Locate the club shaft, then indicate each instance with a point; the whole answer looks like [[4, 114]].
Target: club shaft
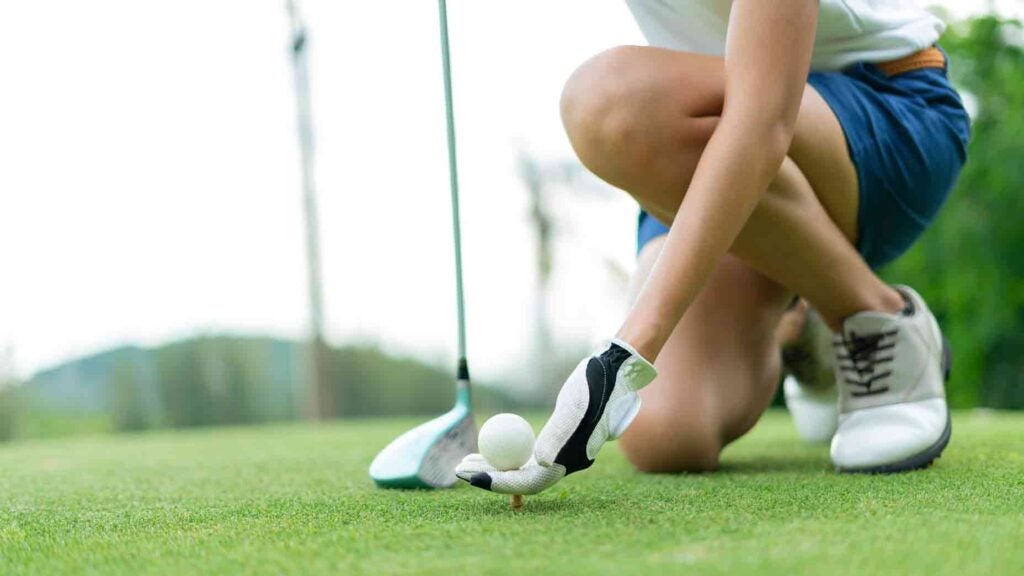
[[453, 177]]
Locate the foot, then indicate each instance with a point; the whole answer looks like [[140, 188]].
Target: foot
[[814, 410], [810, 384], [891, 370], [596, 404]]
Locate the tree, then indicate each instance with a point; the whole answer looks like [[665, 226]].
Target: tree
[[127, 408], [10, 404]]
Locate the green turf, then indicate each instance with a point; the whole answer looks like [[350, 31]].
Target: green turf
[[296, 499]]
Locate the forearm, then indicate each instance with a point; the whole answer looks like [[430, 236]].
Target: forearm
[[767, 57], [738, 163]]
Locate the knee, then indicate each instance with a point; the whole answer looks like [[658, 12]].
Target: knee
[[628, 112], [669, 446], [600, 106]]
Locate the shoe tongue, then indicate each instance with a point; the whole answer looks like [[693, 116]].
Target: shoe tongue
[[865, 323]]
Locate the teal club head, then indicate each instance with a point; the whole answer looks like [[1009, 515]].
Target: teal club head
[[426, 456]]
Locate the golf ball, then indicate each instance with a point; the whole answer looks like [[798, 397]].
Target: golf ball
[[506, 441]]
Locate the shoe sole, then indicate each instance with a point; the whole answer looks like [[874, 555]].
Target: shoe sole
[[916, 462], [927, 457]]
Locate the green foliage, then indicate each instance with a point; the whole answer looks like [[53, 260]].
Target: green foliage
[[10, 400], [184, 390], [39, 423], [969, 265], [10, 412], [369, 382], [127, 406], [229, 380], [296, 499], [221, 380]]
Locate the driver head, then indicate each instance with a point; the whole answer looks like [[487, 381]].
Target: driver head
[[426, 456]]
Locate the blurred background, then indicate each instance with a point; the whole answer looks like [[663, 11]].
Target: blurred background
[[154, 255]]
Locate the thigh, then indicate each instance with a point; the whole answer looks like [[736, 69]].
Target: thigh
[[908, 135], [667, 103], [717, 373]]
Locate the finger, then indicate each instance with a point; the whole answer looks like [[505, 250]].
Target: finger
[[528, 480], [476, 463], [473, 464]]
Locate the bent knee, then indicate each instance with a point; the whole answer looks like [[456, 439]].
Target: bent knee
[[596, 104], [672, 447], [620, 110]]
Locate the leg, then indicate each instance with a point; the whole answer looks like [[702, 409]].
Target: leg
[[717, 375], [640, 117]]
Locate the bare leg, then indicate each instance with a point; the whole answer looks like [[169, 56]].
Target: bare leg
[[716, 374], [640, 117]]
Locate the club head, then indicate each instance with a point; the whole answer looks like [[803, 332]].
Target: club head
[[426, 456]]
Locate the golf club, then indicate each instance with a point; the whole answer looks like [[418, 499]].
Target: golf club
[[425, 457]]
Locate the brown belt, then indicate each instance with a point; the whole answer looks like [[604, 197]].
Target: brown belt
[[927, 58]]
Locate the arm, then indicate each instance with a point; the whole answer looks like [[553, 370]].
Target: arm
[[768, 54], [767, 58]]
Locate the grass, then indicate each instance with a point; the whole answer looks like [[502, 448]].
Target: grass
[[296, 499]]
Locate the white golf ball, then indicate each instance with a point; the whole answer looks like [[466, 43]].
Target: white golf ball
[[506, 441]]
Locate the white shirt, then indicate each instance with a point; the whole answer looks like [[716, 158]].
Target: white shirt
[[849, 31]]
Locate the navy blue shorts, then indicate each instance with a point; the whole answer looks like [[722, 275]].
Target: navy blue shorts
[[907, 136]]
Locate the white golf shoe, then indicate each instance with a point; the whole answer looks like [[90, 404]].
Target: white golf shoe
[[814, 410], [891, 370], [809, 388]]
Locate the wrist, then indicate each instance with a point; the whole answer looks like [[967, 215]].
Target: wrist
[[643, 339]]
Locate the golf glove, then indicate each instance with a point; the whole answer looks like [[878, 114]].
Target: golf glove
[[596, 404]]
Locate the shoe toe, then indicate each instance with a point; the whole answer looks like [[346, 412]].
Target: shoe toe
[[888, 435], [814, 415]]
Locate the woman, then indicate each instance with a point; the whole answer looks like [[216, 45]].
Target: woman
[[791, 147]]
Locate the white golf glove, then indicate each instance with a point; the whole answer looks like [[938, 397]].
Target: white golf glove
[[596, 404]]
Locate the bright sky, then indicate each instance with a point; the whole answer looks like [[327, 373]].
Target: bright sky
[[150, 187]]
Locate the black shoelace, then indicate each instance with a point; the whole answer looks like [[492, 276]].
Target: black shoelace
[[864, 362]]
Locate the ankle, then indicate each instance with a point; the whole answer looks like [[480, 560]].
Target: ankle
[[889, 300], [646, 339], [885, 299]]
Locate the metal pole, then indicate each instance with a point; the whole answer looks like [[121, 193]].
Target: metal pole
[[323, 395]]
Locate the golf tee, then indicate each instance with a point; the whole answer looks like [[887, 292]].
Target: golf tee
[[516, 501]]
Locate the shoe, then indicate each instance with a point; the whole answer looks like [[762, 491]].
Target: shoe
[[809, 388], [891, 370], [815, 411]]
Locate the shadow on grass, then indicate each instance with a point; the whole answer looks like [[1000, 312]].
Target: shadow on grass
[[769, 464], [540, 505]]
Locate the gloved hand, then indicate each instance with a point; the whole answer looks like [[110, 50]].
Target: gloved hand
[[596, 404]]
